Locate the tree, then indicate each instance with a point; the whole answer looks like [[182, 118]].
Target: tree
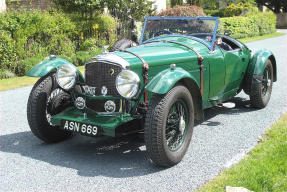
[[198, 3], [274, 5], [176, 2], [136, 9], [124, 9], [84, 7]]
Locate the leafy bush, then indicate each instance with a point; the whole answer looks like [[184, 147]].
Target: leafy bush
[[266, 21], [29, 36], [81, 57], [214, 13], [239, 9], [252, 24], [33, 33], [233, 10], [183, 11], [101, 28]]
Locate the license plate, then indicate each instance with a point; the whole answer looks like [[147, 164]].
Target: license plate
[[81, 128]]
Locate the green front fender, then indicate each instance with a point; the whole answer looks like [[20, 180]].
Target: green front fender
[[48, 66], [166, 79], [258, 63]]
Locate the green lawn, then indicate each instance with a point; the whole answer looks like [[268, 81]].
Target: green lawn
[[264, 168], [256, 38], [12, 83]]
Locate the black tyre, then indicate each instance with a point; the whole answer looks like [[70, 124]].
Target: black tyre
[[168, 126], [260, 92], [47, 99], [123, 44]]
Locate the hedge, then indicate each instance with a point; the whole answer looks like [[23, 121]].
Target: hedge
[[27, 37], [252, 24]]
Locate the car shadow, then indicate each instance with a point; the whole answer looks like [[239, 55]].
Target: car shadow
[[242, 105], [102, 156], [117, 158]]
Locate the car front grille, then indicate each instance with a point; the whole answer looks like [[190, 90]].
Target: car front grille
[[99, 74]]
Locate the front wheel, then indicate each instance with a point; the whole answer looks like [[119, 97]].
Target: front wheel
[[45, 100], [168, 126]]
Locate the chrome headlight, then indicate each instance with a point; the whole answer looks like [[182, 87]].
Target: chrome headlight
[[66, 76], [127, 83]]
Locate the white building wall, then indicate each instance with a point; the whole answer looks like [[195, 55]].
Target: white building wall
[[2, 6], [159, 5]]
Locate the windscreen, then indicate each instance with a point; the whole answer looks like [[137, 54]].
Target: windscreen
[[203, 28]]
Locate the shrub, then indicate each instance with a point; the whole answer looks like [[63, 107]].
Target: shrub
[[252, 24], [183, 11], [27, 37], [239, 9], [214, 13], [101, 28], [81, 57], [266, 21], [107, 29], [233, 10], [33, 34]]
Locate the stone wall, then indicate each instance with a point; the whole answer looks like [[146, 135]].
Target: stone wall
[[29, 4], [282, 20]]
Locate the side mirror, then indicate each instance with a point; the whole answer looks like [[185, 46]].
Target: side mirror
[[227, 32]]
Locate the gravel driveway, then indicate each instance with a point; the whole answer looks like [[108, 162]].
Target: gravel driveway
[[88, 164]]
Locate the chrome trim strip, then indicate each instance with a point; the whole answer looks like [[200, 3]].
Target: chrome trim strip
[[110, 57]]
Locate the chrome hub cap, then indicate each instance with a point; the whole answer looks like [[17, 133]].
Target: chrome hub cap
[[181, 125]]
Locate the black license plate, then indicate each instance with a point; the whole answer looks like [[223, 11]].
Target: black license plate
[[81, 128]]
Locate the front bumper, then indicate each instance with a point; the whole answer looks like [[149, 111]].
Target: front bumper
[[107, 123]]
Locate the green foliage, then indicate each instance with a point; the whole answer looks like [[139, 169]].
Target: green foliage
[[252, 24], [233, 10], [84, 7], [239, 9], [33, 33], [81, 57], [211, 4], [214, 13], [183, 11], [127, 9], [174, 3], [274, 5], [29, 36], [198, 3]]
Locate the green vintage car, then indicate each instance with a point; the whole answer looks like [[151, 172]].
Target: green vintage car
[[161, 86]]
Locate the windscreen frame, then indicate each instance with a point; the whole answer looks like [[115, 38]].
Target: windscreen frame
[[211, 46]]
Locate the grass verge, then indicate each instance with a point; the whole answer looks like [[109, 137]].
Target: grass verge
[[264, 168], [256, 38], [12, 83], [16, 82]]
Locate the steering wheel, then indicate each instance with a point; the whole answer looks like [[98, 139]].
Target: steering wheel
[[162, 32]]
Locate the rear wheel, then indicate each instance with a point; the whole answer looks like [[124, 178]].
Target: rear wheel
[[169, 126], [47, 99], [261, 91]]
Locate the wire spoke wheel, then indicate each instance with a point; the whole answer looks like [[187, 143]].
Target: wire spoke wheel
[[260, 92], [176, 124], [169, 126], [266, 81]]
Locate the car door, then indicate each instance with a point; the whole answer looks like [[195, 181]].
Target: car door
[[216, 74], [234, 62]]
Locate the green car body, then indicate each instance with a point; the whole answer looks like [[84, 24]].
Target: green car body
[[172, 60], [224, 74]]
